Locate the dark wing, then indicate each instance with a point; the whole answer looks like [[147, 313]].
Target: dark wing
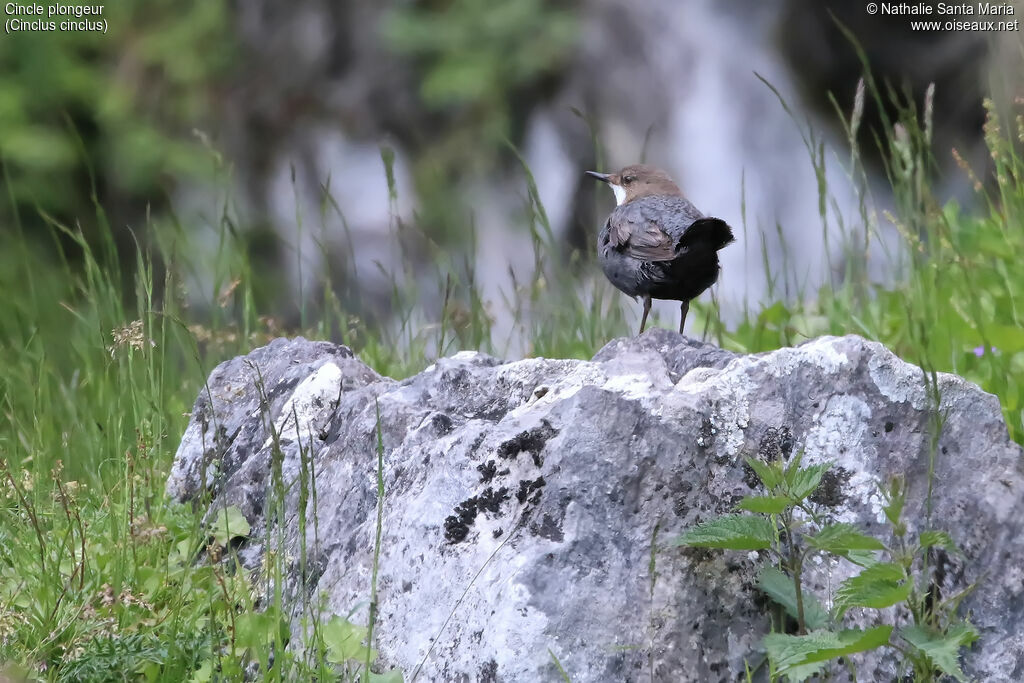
[[673, 214], [687, 226], [630, 233]]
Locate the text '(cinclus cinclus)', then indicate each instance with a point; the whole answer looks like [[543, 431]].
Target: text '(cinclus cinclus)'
[[656, 244]]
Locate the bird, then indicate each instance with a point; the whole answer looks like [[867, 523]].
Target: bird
[[656, 244]]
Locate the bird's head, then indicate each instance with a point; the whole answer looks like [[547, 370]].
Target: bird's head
[[638, 181]]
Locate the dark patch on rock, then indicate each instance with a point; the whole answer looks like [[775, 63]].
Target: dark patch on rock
[[442, 424], [681, 490], [947, 576], [548, 528], [489, 672], [680, 506], [476, 442], [456, 526], [455, 380], [831, 492], [491, 500], [889, 426], [528, 487], [487, 471], [761, 601], [493, 411], [406, 586], [706, 437], [750, 477], [531, 441], [697, 555], [314, 568], [776, 444], [498, 532]]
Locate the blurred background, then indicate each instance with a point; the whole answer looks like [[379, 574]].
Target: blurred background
[[346, 150], [407, 178]]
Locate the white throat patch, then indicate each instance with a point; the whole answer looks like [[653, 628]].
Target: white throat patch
[[620, 194]]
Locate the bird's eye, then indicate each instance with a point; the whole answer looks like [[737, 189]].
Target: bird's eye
[[628, 179]]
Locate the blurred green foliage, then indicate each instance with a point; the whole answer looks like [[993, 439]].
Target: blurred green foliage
[[113, 114], [481, 66], [477, 52]]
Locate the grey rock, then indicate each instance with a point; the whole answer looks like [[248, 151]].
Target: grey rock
[[523, 499]]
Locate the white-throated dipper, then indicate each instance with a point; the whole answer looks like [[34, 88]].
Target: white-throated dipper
[[656, 244]]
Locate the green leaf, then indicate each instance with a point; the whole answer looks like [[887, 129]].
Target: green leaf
[[779, 587], [230, 523], [943, 651], [880, 585], [862, 558], [803, 672], [344, 641], [895, 497], [929, 539], [770, 474], [735, 532], [1006, 338], [792, 468], [773, 314], [204, 673], [840, 538], [390, 676], [766, 505], [253, 629], [790, 654], [805, 480], [881, 571]]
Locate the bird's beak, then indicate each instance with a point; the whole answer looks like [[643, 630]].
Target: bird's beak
[[603, 177]]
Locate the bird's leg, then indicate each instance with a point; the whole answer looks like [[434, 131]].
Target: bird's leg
[[647, 309], [685, 308]]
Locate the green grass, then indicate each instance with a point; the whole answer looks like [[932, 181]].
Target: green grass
[[954, 304], [98, 572]]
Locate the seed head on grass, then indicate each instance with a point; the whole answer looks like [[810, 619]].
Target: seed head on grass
[[131, 335], [965, 167], [224, 298]]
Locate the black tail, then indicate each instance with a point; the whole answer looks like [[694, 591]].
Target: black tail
[[711, 231]]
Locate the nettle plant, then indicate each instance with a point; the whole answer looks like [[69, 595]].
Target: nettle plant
[[793, 530]]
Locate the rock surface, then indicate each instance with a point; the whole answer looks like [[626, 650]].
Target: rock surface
[[523, 499]]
